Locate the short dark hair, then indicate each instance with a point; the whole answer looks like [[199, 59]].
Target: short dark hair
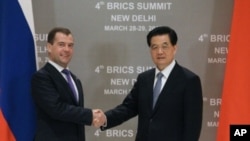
[[52, 33], [161, 30]]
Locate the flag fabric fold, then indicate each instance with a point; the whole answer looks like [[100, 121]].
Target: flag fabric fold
[[17, 63], [235, 107]]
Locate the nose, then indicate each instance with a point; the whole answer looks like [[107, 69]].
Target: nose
[[67, 48], [160, 50]]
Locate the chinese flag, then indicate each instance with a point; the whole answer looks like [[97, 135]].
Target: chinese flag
[[235, 107]]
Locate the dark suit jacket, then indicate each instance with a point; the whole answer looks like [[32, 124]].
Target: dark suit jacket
[[59, 116], [177, 115]]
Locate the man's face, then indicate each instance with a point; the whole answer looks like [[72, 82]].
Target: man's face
[[162, 51], [61, 50]]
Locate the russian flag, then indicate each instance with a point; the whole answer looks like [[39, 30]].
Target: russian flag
[[235, 107], [17, 63]]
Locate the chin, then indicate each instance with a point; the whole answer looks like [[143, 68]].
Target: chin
[[161, 66]]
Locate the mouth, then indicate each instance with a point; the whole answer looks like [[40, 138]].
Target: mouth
[[160, 58], [65, 55]]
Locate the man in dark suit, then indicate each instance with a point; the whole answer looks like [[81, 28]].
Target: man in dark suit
[[176, 115], [58, 94]]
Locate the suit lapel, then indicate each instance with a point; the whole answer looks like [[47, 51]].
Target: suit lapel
[[149, 86], [169, 85], [79, 89], [59, 80]]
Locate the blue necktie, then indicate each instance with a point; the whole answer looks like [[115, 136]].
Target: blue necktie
[[70, 82], [157, 88]]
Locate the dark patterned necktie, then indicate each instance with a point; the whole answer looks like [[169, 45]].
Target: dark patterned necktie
[[70, 82]]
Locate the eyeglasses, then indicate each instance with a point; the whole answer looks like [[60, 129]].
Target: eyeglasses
[[163, 47]]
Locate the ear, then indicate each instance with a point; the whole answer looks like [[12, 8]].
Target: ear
[[49, 47], [175, 49]]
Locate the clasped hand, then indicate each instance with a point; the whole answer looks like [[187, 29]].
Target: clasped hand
[[99, 118]]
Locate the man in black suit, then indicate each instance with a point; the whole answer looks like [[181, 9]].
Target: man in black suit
[[176, 115], [58, 94]]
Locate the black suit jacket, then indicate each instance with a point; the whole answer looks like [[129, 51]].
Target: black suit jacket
[[177, 115], [59, 116]]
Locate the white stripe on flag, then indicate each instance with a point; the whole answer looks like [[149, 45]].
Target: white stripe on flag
[[27, 9]]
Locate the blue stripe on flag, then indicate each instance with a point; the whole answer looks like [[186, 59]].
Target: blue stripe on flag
[[17, 63]]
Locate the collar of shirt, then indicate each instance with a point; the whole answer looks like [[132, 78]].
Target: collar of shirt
[[166, 72], [58, 67]]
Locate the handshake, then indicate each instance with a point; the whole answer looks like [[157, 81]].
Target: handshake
[[99, 118]]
